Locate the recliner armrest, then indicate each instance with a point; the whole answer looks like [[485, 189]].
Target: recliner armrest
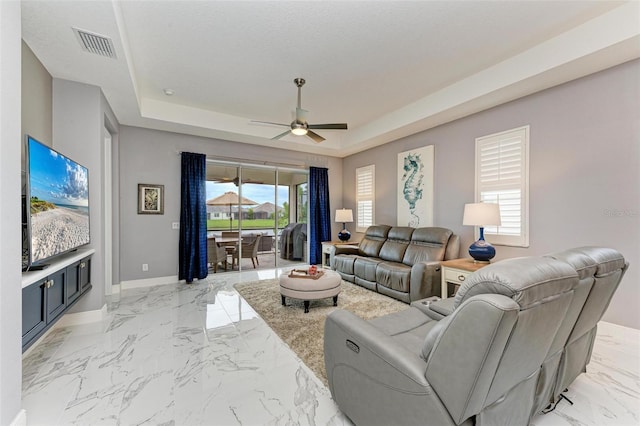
[[374, 379], [351, 341], [435, 309]]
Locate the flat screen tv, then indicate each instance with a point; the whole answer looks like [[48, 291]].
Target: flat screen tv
[[57, 203]]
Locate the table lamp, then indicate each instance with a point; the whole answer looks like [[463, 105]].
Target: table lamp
[[481, 214], [344, 216]]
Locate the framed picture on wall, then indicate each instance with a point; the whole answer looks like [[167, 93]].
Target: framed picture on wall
[[150, 199], [415, 187]]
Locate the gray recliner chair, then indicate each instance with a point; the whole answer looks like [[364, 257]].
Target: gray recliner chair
[[494, 359], [600, 271]]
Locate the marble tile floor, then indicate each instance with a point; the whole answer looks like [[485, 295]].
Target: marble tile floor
[[199, 355]]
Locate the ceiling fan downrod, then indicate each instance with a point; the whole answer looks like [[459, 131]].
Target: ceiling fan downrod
[[299, 82]]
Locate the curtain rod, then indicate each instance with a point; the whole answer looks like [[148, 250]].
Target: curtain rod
[[251, 162]]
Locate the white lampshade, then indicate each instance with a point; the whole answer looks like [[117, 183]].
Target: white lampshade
[[481, 214], [344, 215]]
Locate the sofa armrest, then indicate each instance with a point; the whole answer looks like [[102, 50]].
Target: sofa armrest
[[354, 346], [345, 250], [425, 280], [340, 250]]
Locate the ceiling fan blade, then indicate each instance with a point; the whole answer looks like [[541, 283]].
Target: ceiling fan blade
[[269, 122], [332, 126], [316, 137], [281, 135]]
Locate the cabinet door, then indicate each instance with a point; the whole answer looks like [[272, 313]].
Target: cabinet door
[[73, 282], [34, 317], [56, 294], [85, 274]]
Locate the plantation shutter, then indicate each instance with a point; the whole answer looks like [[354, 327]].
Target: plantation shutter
[[365, 195], [502, 178]]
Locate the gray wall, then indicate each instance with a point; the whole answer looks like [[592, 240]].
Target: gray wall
[[584, 171], [36, 97], [151, 156], [112, 127], [79, 112], [10, 241]]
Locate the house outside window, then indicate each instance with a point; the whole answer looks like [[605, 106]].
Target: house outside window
[[502, 177], [365, 197]]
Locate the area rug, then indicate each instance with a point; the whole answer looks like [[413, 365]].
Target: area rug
[[304, 333]]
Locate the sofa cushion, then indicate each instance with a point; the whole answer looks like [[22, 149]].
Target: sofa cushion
[[397, 241], [373, 239], [427, 244], [545, 278], [365, 267], [395, 276]]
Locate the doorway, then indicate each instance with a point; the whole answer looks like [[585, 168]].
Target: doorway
[[258, 213]]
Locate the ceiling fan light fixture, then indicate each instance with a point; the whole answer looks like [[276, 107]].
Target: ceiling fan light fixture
[[299, 128]]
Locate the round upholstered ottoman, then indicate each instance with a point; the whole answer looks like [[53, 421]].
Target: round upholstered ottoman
[[307, 288]]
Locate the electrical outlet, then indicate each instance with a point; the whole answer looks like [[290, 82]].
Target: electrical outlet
[[175, 225], [145, 267]]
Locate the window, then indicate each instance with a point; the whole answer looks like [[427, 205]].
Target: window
[[301, 202], [502, 176], [365, 194]]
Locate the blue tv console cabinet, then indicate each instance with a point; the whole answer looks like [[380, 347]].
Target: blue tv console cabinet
[[48, 293]]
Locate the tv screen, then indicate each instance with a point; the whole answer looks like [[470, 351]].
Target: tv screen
[[58, 194]]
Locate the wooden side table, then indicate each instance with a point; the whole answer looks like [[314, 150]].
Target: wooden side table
[[326, 250], [456, 272]]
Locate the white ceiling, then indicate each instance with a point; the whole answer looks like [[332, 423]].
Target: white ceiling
[[388, 69]]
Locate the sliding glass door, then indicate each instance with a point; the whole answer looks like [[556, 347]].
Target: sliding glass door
[[258, 213]]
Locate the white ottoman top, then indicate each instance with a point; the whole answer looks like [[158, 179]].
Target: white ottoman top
[[327, 285]]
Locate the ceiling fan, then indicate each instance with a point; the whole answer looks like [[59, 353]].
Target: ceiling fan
[[299, 126], [235, 180]]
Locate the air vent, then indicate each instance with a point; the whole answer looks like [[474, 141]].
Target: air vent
[[95, 43]]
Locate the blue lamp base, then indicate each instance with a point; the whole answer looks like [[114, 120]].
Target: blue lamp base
[[481, 251], [344, 235]]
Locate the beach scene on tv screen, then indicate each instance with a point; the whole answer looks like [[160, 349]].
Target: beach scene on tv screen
[[59, 203]]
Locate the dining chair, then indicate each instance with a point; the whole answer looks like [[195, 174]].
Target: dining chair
[[216, 255], [249, 251], [230, 248]]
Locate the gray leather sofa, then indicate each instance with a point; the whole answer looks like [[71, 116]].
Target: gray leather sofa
[[518, 333], [401, 262]]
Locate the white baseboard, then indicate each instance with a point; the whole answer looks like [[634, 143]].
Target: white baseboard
[[20, 419], [115, 289], [620, 329], [148, 282], [82, 317]]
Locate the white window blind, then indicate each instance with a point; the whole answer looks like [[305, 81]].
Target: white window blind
[[365, 196], [502, 176]]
